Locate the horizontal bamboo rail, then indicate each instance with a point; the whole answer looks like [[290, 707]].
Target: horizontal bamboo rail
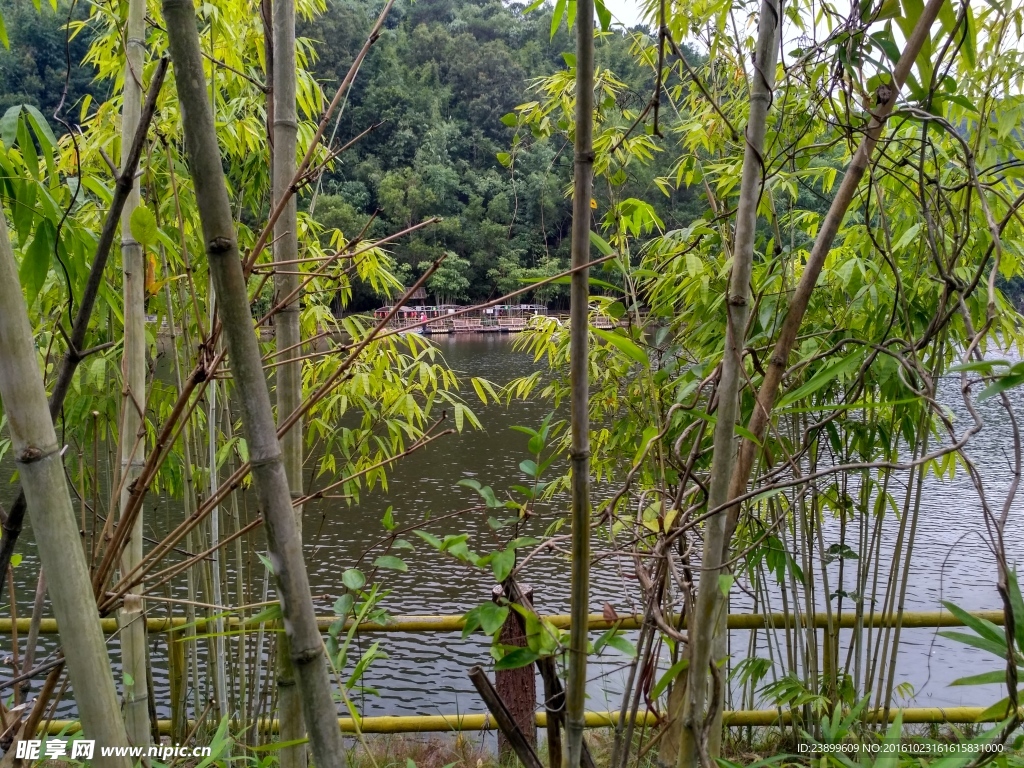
[[439, 723], [426, 624]]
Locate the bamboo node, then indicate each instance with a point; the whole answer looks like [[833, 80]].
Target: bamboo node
[[308, 655], [32, 454], [220, 245], [264, 461]]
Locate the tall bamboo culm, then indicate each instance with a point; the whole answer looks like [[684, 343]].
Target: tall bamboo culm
[[133, 403], [40, 466], [698, 738], [286, 330], [579, 299], [268, 471]]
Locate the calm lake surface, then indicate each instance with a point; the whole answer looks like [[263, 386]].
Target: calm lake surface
[[426, 674]]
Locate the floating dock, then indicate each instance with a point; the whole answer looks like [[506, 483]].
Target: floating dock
[[434, 320]]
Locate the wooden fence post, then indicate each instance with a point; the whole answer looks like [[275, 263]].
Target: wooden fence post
[[517, 688]]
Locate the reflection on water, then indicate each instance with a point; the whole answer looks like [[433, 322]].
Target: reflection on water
[[426, 674]]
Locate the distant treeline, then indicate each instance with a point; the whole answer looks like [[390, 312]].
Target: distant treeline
[[438, 82]]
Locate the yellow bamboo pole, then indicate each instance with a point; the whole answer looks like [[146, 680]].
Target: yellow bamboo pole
[[442, 723], [428, 624]]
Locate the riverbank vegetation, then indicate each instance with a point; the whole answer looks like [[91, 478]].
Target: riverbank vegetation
[[782, 233]]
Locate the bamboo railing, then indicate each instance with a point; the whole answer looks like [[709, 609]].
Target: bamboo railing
[[477, 722]]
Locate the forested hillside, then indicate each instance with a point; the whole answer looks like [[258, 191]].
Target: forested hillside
[[437, 86], [433, 91]]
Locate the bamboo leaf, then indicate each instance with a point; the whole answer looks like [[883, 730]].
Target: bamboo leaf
[[601, 244], [822, 378], [556, 16], [143, 226], [270, 613], [9, 125], [999, 649], [35, 264], [41, 128], [1017, 607], [725, 582], [983, 627], [890, 758], [670, 674], [1000, 386], [624, 344], [985, 678], [984, 366]]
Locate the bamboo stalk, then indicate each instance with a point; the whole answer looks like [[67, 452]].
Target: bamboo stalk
[[134, 646], [33, 627], [38, 458], [595, 622], [481, 722], [219, 660], [271, 483], [579, 341], [288, 377], [708, 625]]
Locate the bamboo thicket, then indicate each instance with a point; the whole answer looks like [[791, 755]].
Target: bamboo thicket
[[40, 464], [271, 483]]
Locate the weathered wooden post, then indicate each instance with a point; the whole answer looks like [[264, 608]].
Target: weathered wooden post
[[517, 688]]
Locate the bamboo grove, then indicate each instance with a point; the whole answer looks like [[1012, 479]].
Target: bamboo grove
[[742, 410]]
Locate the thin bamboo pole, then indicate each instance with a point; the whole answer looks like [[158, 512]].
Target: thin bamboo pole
[[478, 722], [219, 660], [271, 483], [134, 646], [288, 377], [188, 493], [595, 622], [700, 731], [579, 341], [38, 457]]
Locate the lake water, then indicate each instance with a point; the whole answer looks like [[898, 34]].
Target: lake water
[[426, 674]]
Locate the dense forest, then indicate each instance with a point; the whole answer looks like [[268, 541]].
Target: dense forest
[[433, 94]]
